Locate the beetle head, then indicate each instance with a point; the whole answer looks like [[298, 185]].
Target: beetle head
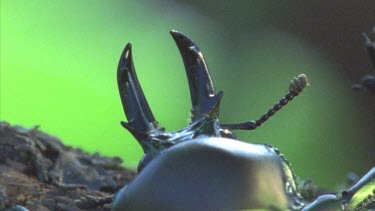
[[205, 103], [141, 122]]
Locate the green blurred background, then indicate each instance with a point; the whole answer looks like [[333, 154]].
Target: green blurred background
[[59, 59]]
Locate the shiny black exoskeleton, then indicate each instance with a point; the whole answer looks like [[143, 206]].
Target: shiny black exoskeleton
[[204, 166]]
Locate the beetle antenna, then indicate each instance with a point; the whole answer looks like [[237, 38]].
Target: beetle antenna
[[296, 86], [204, 100], [137, 111]]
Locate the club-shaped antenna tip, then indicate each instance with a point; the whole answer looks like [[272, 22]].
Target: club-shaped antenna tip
[[304, 80]]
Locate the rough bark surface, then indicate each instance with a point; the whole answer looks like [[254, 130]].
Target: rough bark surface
[[39, 172]]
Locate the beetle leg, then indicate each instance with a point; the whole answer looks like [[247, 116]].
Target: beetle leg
[[203, 97], [360, 197], [141, 121], [367, 83], [296, 86], [370, 47], [362, 194]]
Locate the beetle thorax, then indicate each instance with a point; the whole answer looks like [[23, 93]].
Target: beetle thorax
[[227, 174]]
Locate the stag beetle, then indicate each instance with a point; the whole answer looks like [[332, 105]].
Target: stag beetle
[[204, 166]]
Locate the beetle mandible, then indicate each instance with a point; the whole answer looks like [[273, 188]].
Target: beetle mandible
[[204, 166]]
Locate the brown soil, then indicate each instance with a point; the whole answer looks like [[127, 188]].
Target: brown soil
[[38, 172]]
